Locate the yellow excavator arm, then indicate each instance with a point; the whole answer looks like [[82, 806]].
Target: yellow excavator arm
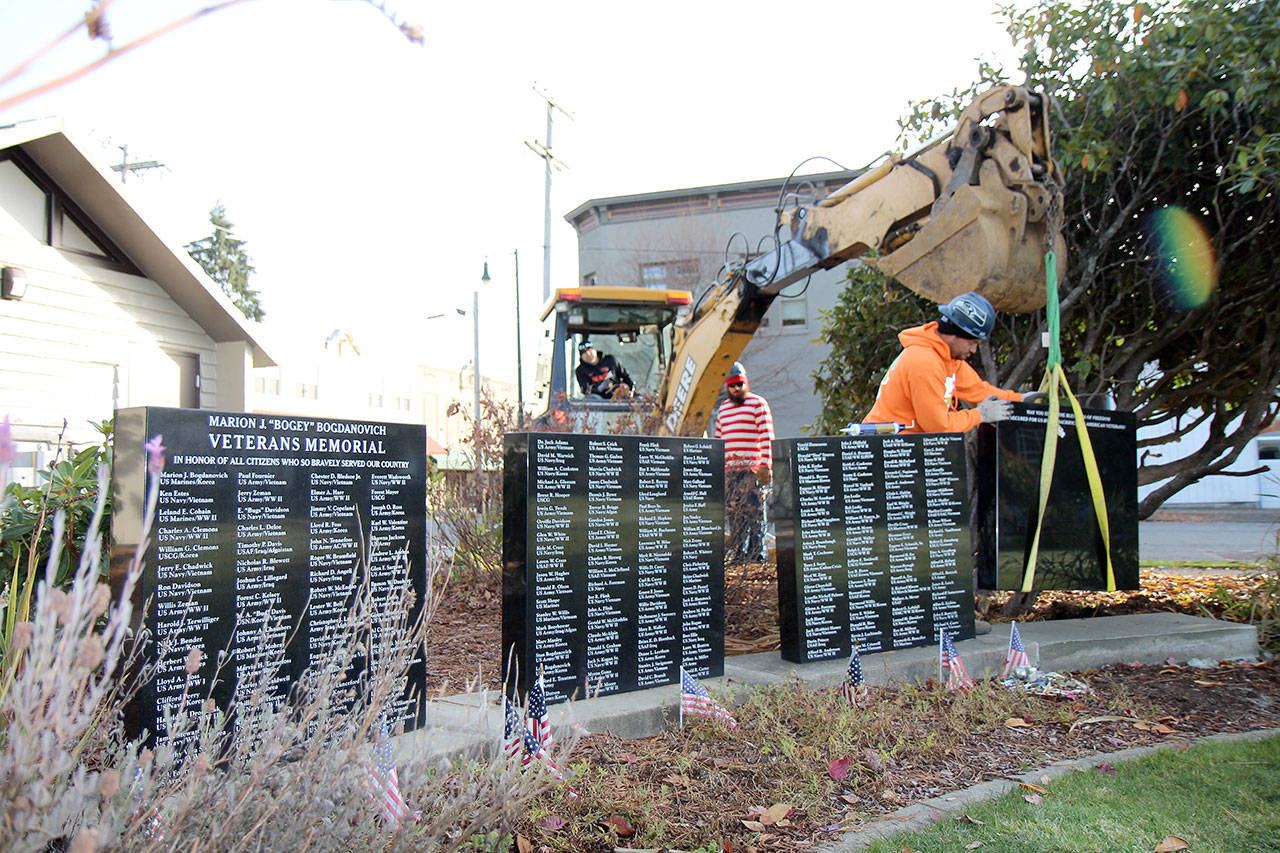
[[975, 210]]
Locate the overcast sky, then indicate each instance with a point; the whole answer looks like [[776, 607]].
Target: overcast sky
[[371, 177]]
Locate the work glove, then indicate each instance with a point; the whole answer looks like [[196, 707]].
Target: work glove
[[993, 410], [1035, 397], [764, 474]]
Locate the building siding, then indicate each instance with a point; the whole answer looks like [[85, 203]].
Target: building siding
[[85, 337]]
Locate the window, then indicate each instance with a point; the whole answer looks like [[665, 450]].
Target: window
[[33, 206], [589, 280], [375, 400], [1268, 451], [795, 312], [659, 274], [308, 391], [403, 403], [260, 384]]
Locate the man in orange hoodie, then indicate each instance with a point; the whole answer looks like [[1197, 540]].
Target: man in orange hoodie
[[924, 385]]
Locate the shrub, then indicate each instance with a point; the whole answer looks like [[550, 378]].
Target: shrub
[[68, 486]]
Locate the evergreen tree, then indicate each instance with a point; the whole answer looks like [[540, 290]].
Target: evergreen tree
[[225, 260]]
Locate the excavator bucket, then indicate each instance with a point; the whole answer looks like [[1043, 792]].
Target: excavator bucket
[[978, 239]]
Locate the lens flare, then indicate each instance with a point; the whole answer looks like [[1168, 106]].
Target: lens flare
[[1186, 267]]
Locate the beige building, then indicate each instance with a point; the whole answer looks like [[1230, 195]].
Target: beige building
[[99, 310]]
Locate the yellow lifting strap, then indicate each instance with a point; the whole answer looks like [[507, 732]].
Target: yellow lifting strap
[[1055, 378]]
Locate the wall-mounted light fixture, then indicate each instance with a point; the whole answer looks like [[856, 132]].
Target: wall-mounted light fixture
[[13, 283]]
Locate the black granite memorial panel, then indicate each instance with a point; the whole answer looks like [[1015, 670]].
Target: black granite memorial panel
[[256, 515], [1071, 551], [613, 553], [873, 542]]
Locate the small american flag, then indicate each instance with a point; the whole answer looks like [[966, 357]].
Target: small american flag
[[957, 678], [384, 785], [533, 751], [537, 719], [512, 731], [694, 699], [854, 687], [1017, 655]]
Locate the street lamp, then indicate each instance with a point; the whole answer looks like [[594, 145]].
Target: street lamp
[[475, 317]]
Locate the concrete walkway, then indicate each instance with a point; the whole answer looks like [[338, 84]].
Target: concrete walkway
[[471, 724]]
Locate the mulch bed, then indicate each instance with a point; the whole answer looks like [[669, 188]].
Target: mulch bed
[[730, 795], [465, 634]]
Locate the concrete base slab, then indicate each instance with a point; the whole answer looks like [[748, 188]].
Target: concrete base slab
[[471, 724]]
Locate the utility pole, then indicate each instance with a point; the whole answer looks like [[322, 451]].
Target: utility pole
[[544, 151], [519, 364], [126, 167]]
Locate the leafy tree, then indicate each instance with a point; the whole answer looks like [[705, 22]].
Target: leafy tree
[[1156, 105], [224, 258]]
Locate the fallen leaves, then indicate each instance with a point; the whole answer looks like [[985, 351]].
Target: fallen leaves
[[1036, 796], [1170, 844], [553, 823], [1088, 721], [839, 768], [776, 813], [1016, 723], [620, 825]]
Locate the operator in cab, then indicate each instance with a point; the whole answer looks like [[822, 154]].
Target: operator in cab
[[923, 387], [600, 375]]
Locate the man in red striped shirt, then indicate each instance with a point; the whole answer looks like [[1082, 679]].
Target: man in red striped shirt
[[746, 425]]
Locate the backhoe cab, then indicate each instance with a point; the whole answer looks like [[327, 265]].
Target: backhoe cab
[[633, 324]]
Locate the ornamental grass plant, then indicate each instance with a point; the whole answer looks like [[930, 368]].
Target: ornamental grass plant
[[266, 773]]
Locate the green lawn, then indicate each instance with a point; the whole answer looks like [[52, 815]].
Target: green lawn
[[1218, 797]]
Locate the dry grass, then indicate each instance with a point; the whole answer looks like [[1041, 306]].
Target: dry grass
[[709, 788]]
